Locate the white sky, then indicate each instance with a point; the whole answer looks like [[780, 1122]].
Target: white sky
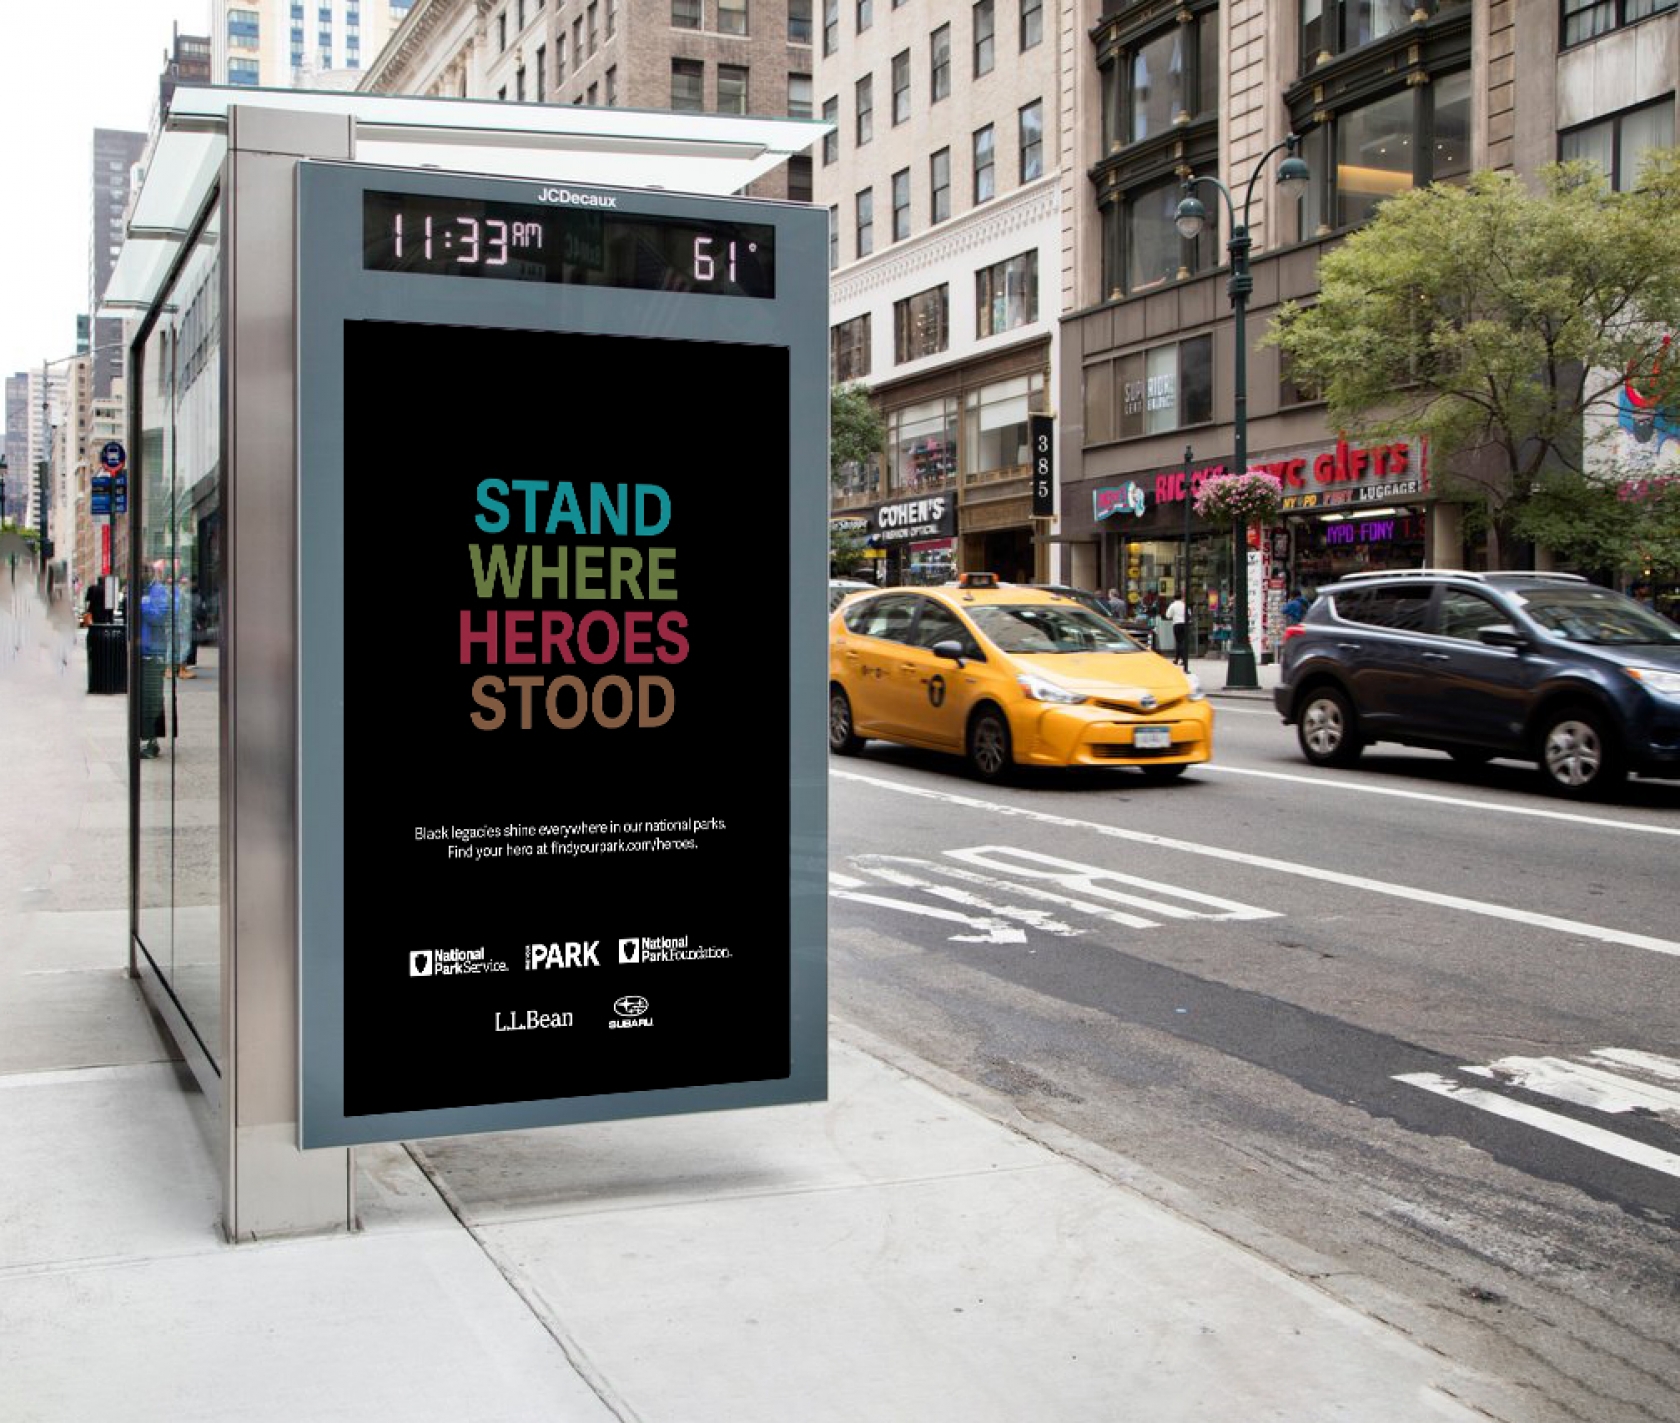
[[65, 70]]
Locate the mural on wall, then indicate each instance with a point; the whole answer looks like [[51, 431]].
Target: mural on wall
[[1646, 436]]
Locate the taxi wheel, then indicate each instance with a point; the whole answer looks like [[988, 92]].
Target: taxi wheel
[[842, 740], [989, 749]]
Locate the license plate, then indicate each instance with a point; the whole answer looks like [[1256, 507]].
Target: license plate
[[1152, 738]]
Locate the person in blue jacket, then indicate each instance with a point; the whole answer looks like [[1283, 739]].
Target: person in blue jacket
[[157, 629]]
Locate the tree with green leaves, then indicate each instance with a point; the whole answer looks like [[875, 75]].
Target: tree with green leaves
[[1493, 319], [856, 430], [1606, 528]]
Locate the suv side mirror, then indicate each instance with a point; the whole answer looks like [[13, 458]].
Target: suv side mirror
[[1501, 635], [952, 651]]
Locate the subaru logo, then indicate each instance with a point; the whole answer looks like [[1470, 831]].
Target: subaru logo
[[632, 1005]]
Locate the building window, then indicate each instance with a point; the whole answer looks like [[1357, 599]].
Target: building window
[[799, 21], [865, 109], [590, 97], [799, 96], [612, 18], [922, 443], [559, 57], [939, 54], [1006, 295], [901, 86], [1032, 23], [1332, 27], [521, 13], [865, 14], [1141, 244], [995, 427], [848, 350], [592, 35], [1400, 141], [542, 73], [243, 28], [1587, 19], [519, 84], [921, 324], [501, 95], [901, 204], [939, 186], [1032, 141], [612, 87], [688, 86], [1619, 143], [831, 26], [831, 139], [242, 71], [579, 53], [1150, 392], [799, 178], [685, 14], [864, 229], [731, 89], [732, 17], [1157, 83], [985, 164], [984, 46], [501, 31], [834, 237]]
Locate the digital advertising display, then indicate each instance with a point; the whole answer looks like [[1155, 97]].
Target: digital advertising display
[[562, 807]]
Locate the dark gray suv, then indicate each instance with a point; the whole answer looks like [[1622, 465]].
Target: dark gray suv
[[1543, 667]]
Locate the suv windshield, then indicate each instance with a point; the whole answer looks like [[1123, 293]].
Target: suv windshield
[[1047, 627], [1597, 615]]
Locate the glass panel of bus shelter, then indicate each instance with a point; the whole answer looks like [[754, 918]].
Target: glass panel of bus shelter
[[195, 698], [178, 596], [149, 626]]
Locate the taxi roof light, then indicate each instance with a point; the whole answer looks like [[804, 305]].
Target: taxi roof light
[[977, 579]]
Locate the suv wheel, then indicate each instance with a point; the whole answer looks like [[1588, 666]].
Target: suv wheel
[[1326, 728], [1578, 754]]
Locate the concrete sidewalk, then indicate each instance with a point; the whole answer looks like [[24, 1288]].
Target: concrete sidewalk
[[905, 1251]]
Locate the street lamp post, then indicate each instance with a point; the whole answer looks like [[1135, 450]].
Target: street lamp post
[[1292, 177], [1189, 625]]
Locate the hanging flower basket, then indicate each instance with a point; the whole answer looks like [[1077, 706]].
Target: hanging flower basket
[[1251, 498]]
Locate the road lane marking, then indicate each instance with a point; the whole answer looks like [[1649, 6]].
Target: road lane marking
[[1097, 880], [1581, 1133], [986, 931], [1647, 1062], [1582, 1084], [1535, 812], [890, 868], [1113, 916], [1315, 873]]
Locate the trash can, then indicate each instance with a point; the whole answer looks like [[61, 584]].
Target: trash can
[[107, 654]]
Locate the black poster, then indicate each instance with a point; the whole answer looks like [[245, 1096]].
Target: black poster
[[566, 742]]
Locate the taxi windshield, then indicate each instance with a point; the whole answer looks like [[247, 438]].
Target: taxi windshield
[[1598, 615], [1048, 627]]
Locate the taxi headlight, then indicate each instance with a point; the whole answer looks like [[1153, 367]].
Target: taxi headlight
[[1657, 679], [1040, 690], [1196, 692]]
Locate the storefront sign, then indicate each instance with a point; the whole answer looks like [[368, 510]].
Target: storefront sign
[[1128, 498], [1041, 436], [933, 516], [1373, 531], [1169, 486]]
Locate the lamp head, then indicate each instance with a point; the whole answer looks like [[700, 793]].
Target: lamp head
[[1293, 175], [1191, 216]]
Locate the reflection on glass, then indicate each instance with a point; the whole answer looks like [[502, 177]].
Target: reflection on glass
[[1159, 90], [1154, 250], [177, 606], [1450, 161], [924, 445], [1374, 156]]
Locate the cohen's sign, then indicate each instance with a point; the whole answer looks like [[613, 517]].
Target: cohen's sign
[[911, 520]]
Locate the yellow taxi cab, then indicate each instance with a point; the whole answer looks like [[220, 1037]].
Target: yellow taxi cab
[[1007, 676]]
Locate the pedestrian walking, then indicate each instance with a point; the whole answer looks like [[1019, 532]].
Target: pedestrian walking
[[1295, 608], [1176, 612]]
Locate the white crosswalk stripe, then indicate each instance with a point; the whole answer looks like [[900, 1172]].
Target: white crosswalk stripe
[[1091, 891], [1614, 1081]]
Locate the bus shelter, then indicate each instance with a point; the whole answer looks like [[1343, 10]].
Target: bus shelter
[[439, 412]]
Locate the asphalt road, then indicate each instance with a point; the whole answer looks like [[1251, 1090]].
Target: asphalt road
[[1409, 1029]]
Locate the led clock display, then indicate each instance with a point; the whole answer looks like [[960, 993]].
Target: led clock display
[[527, 242]]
